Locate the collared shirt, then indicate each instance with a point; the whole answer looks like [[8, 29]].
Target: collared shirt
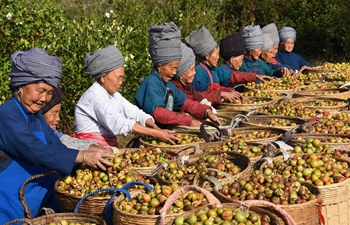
[[107, 114], [258, 67], [292, 59]]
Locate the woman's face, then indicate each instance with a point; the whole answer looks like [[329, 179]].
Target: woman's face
[[236, 62], [288, 45], [35, 95], [255, 54], [213, 57], [267, 55], [168, 71], [275, 50], [188, 76], [52, 116], [113, 80]]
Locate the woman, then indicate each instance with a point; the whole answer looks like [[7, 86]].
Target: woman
[[205, 47], [102, 113], [28, 146], [286, 55], [161, 98], [267, 55], [253, 42], [51, 113], [273, 31]]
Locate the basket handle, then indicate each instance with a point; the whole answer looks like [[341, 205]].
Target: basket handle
[[179, 192], [24, 220], [345, 85], [204, 133], [237, 119], [134, 142], [194, 146], [21, 190], [287, 136], [108, 207], [285, 216], [252, 112], [258, 163], [131, 184]]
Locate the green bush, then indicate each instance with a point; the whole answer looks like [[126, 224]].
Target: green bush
[[68, 29]]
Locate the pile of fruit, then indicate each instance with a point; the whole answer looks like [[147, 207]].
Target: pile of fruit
[[336, 66], [206, 165], [326, 103], [329, 127], [336, 116], [65, 222], [292, 109], [252, 134], [222, 216], [339, 76], [276, 189], [184, 139], [262, 93], [151, 202], [314, 168], [253, 100], [146, 157], [280, 123], [239, 146], [325, 85]]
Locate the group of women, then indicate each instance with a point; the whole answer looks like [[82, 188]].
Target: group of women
[[176, 92]]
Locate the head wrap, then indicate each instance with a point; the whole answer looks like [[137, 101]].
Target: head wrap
[[57, 96], [287, 32], [33, 66], [103, 61], [201, 41], [188, 58], [252, 37], [273, 31], [268, 43], [165, 43], [232, 45]]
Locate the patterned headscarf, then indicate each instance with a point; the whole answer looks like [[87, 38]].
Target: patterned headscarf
[[232, 45]]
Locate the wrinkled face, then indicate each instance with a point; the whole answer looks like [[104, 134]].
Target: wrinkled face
[[188, 76], [213, 57], [288, 45], [275, 50], [34, 96], [236, 62], [267, 55], [255, 54], [168, 71], [52, 116], [113, 80]]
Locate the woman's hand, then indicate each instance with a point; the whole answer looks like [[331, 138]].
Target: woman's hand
[[231, 95], [195, 123], [95, 159], [167, 136], [265, 78], [284, 71], [100, 148], [303, 68], [213, 118]]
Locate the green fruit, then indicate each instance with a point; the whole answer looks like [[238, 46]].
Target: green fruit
[[240, 217], [179, 220], [191, 219]]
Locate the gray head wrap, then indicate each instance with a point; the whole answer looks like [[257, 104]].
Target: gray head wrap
[[253, 37], [165, 43], [287, 32], [268, 43], [33, 66], [103, 61], [201, 41], [188, 58], [273, 31]]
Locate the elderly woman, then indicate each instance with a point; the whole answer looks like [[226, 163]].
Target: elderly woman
[[286, 55], [273, 31], [253, 43], [28, 146], [51, 113], [102, 113], [267, 55], [161, 98], [207, 50]]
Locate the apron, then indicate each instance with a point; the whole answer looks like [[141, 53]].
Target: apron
[[214, 86], [169, 99], [38, 193]]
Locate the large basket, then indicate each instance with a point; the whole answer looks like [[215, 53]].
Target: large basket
[[246, 107], [303, 214], [324, 139], [125, 218], [306, 100], [241, 161], [263, 121], [277, 133], [324, 93]]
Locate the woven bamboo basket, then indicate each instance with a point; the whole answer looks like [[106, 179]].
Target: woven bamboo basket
[[320, 70], [324, 93], [241, 161], [308, 127], [335, 200], [324, 139], [256, 206], [50, 215], [306, 100], [303, 214], [263, 121], [125, 218], [277, 133], [246, 107]]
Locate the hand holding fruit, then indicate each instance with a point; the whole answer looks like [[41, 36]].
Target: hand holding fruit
[[231, 95], [283, 71], [95, 159], [94, 147], [264, 78], [167, 136]]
